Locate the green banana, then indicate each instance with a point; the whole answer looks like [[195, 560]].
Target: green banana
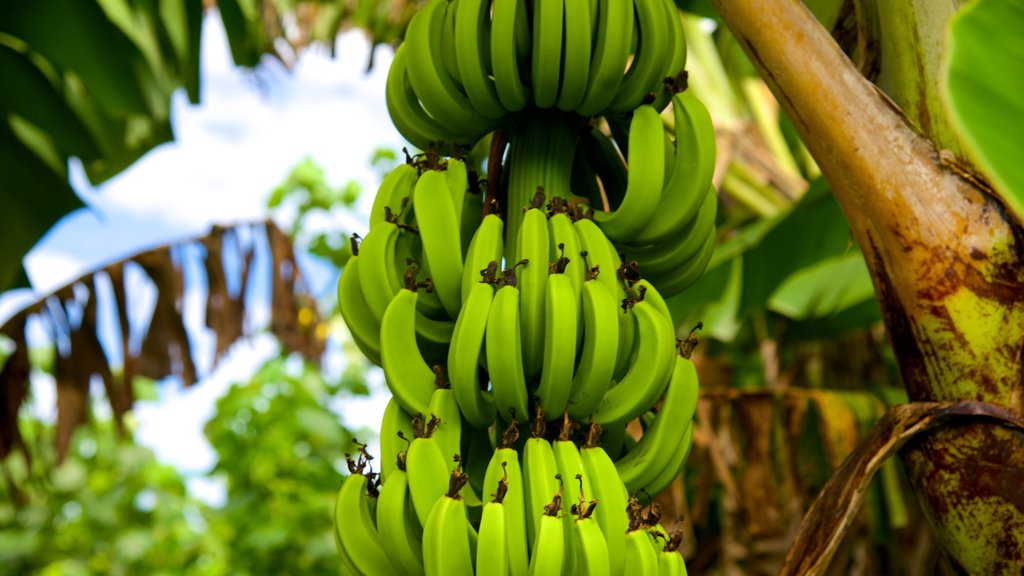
[[645, 178], [441, 96], [577, 45], [355, 529], [596, 366], [361, 323], [471, 218], [659, 536], [612, 498], [503, 346], [547, 51], [559, 344], [467, 347], [504, 464], [532, 246], [406, 112], [486, 246], [674, 282], [645, 74], [564, 241], [640, 556], [647, 376], [539, 470], [411, 266], [602, 260], [674, 77], [548, 551], [627, 342], [398, 526], [691, 176], [449, 56], [493, 536], [673, 466], [610, 55], [575, 488], [590, 546], [671, 563], [378, 276], [647, 292], [437, 220], [427, 470], [407, 374], [667, 258], [473, 48], [456, 176], [446, 535], [509, 18], [395, 433], [448, 433], [396, 186], [664, 438]]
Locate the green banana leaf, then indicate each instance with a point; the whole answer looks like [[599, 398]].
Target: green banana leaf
[[830, 286], [983, 87], [819, 286], [24, 179], [85, 79], [76, 35]]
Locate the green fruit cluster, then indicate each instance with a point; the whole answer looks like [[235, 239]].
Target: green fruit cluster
[[554, 506], [538, 304], [467, 66]]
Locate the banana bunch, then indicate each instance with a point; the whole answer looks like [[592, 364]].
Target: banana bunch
[[553, 507], [566, 328], [467, 66], [535, 298], [661, 210], [403, 283]]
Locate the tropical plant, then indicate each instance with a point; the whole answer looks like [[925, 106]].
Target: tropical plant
[[862, 89], [110, 507]]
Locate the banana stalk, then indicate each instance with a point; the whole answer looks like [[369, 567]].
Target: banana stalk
[[957, 327]]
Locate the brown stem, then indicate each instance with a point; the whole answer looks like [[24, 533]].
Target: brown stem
[[946, 263], [945, 260], [835, 508]]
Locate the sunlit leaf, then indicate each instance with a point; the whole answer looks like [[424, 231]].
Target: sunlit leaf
[[69, 477], [84, 40], [829, 287], [813, 230], [984, 85]]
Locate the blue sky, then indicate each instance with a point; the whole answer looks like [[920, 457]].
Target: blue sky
[[248, 132]]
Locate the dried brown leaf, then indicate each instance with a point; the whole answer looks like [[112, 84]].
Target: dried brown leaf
[[165, 348], [70, 315], [72, 390], [14, 385], [836, 507], [224, 312], [756, 415], [293, 317]]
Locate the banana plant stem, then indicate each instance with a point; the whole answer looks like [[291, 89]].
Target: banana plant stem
[[540, 156], [948, 269], [946, 263]]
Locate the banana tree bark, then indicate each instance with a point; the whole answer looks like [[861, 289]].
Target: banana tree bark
[[946, 262]]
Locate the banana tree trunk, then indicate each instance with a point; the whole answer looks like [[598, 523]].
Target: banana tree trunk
[[946, 262]]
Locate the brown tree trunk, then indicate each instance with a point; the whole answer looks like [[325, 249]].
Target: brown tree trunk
[[946, 262]]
